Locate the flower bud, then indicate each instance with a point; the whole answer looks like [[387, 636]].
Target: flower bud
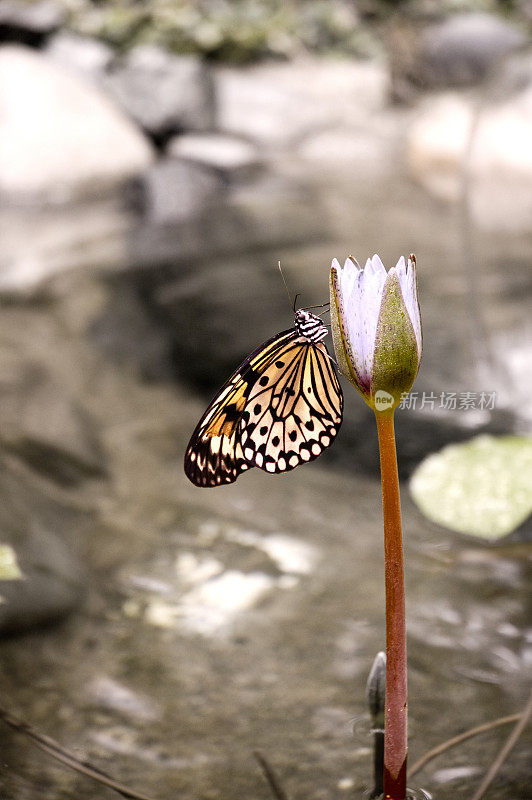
[[376, 328]]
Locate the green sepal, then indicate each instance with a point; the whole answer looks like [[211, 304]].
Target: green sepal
[[396, 357]]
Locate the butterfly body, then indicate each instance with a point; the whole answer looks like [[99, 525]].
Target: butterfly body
[[282, 407]]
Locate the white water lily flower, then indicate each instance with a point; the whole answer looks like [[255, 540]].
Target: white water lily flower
[[376, 328]]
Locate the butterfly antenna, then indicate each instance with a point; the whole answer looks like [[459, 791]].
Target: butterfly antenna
[[320, 305], [286, 287]]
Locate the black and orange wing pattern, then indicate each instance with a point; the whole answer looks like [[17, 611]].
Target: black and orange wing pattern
[[282, 407]]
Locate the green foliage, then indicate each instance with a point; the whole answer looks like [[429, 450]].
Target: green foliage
[[481, 487], [235, 31]]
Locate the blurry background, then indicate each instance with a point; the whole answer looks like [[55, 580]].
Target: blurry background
[[156, 160]]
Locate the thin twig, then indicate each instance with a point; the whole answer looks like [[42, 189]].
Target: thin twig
[[461, 737], [271, 776], [55, 750], [509, 744]]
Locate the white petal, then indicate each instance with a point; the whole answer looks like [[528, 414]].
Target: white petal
[[377, 264], [348, 277], [362, 297], [400, 268], [408, 284]]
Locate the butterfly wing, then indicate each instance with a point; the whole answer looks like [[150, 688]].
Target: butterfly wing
[[214, 454], [293, 412]]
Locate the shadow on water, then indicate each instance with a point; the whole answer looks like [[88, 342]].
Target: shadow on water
[[220, 622]]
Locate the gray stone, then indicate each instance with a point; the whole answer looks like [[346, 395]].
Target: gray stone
[[43, 424], [60, 138], [128, 333], [37, 529], [112, 696], [174, 190], [39, 241], [233, 156], [280, 104], [525, 8], [460, 51], [29, 23], [164, 93], [352, 147], [83, 54]]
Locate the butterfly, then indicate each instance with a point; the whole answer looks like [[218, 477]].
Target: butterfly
[[281, 408]]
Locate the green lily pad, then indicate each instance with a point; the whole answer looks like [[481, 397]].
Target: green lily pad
[[9, 568], [482, 487]]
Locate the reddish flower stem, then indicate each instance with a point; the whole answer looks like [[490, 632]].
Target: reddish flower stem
[[395, 729]]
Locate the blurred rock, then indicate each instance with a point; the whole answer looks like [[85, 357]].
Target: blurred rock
[[173, 190], [229, 155], [456, 145], [87, 56], [229, 242], [43, 424], [164, 93], [41, 240], [59, 137], [29, 23], [37, 528], [111, 696], [354, 148], [279, 105], [128, 333], [460, 51], [525, 8]]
